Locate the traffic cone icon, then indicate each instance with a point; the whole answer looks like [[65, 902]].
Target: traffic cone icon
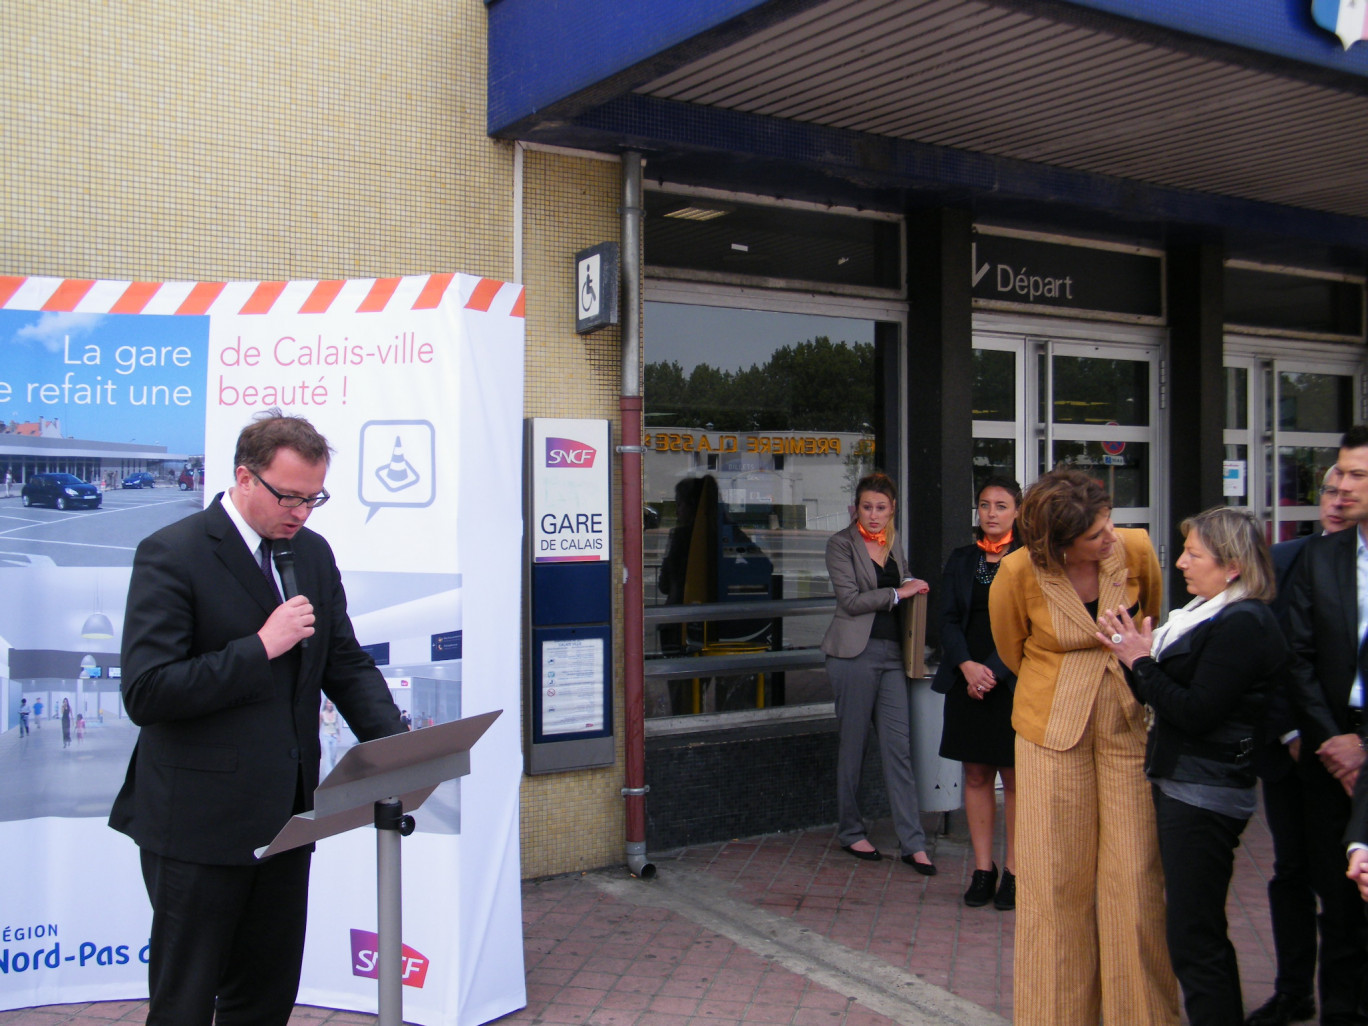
[[398, 473], [398, 466]]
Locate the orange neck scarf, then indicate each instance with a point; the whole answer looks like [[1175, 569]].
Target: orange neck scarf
[[880, 539], [998, 547]]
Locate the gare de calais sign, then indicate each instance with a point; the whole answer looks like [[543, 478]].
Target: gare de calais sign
[[1031, 273]]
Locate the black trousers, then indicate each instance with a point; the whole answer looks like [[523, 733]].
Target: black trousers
[[1291, 898], [226, 940], [1197, 848], [1343, 931]]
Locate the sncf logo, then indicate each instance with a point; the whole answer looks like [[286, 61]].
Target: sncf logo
[[365, 958], [568, 453]]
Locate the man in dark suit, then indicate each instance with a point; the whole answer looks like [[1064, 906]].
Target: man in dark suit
[[1325, 616], [1291, 898], [224, 679]]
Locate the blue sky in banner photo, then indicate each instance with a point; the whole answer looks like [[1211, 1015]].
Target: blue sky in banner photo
[[107, 377]]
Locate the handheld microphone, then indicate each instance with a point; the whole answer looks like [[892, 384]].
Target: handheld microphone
[[283, 555]]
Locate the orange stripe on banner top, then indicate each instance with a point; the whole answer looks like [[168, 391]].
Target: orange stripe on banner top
[[68, 294], [433, 291], [321, 298], [135, 297], [263, 298], [519, 308], [8, 287], [378, 296], [484, 294], [201, 297]]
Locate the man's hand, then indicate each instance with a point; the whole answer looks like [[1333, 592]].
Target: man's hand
[[1358, 870], [290, 624], [1342, 755]]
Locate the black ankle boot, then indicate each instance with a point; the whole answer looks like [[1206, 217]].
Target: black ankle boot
[[981, 887], [1005, 899]]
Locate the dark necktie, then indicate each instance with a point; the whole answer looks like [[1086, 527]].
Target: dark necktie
[[266, 568]]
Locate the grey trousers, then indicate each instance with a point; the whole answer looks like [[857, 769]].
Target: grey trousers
[[872, 688]]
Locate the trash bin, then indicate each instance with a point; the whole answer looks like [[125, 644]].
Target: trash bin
[[940, 782]]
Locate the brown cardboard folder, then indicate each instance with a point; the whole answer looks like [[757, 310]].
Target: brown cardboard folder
[[914, 636]]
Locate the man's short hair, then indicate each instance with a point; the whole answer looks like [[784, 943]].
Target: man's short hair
[[1355, 438], [271, 430]]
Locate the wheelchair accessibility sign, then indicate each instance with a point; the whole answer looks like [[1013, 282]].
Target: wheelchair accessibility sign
[[596, 287]]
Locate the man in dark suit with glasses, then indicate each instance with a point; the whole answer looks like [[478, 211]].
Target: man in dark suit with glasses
[[225, 677]]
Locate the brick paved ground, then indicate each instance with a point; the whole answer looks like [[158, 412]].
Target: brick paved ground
[[783, 929]]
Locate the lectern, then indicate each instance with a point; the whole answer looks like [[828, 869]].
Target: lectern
[[381, 782]]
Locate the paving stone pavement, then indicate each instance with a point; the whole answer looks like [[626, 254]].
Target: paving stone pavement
[[780, 930]]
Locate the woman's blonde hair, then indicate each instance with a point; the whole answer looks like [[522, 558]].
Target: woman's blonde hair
[[1056, 510], [1235, 538]]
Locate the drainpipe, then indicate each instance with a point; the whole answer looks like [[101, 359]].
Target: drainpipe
[[633, 594]]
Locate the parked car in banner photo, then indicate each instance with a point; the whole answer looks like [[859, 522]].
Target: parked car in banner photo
[[64, 491], [142, 479], [187, 479]]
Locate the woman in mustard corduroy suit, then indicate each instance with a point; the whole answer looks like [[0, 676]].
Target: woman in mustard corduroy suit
[[1090, 890]]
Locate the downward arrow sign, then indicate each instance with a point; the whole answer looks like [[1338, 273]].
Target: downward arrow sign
[[979, 272]]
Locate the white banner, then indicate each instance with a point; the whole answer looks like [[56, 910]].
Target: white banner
[[417, 383]]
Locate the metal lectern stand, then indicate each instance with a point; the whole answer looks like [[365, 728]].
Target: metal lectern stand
[[375, 782]]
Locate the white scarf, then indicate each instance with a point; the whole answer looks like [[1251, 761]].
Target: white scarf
[[1199, 610]]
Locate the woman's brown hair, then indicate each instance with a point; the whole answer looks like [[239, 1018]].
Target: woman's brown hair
[[1057, 510]]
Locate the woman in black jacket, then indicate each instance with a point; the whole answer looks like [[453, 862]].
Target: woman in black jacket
[[1207, 674], [977, 725]]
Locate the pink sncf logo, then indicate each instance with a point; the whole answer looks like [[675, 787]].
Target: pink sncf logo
[[365, 947], [569, 454]]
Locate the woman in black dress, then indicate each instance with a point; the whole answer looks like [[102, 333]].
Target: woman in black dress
[[977, 730]]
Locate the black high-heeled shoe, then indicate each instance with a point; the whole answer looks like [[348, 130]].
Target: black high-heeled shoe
[[924, 868], [867, 856]]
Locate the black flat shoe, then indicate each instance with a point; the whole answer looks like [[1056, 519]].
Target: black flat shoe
[[868, 856], [981, 887], [924, 868], [1005, 899], [1281, 1009]]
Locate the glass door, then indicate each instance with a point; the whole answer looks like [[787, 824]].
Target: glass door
[[1284, 418], [1087, 398], [1098, 411]]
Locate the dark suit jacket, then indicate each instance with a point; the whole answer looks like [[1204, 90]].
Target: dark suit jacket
[[1272, 761], [1208, 691], [957, 592], [1322, 630], [228, 737], [858, 596]]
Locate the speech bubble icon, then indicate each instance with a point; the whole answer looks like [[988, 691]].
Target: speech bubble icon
[[397, 465]]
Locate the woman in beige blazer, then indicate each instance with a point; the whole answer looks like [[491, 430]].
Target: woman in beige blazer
[[864, 663], [1090, 889]]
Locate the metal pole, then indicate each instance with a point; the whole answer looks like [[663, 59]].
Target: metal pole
[[389, 889], [633, 593]]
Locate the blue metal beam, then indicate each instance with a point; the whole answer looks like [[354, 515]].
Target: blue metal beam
[[1281, 28], [542, 52]]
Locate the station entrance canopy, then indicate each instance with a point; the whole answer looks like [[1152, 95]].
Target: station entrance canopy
[[1243, 117]]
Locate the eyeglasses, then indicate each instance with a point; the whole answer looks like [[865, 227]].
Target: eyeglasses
[[1330, 490], [294, 501]]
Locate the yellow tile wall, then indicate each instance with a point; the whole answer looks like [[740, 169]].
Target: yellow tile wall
[[572, 821], [169, 140], [190, 139]]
